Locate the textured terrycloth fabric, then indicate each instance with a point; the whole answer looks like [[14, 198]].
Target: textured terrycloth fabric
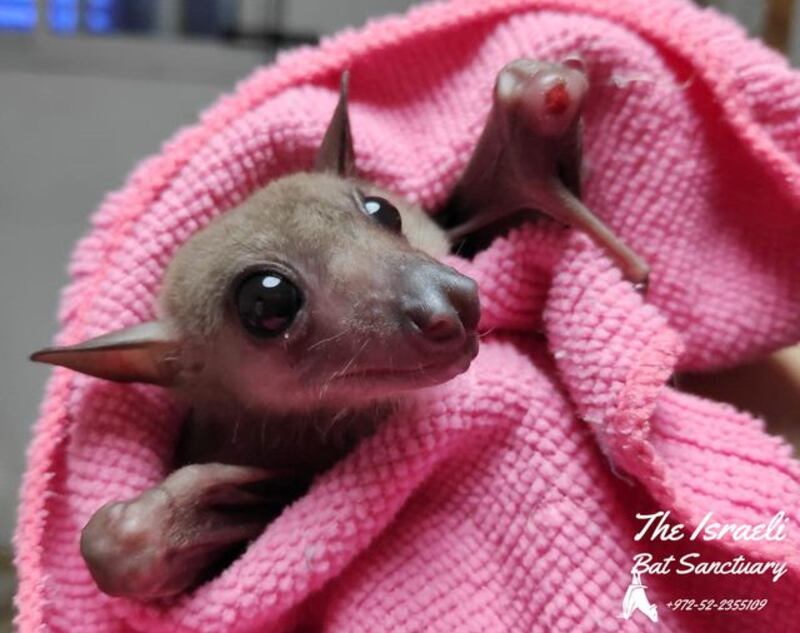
[[504, 500]]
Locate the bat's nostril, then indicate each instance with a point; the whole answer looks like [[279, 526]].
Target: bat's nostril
[[437, 326], [445, 308]]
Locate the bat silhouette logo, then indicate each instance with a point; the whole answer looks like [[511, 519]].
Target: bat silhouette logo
[[636, 600]]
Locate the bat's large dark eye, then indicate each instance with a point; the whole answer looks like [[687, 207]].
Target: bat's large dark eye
[[384, 212], [267, 303]]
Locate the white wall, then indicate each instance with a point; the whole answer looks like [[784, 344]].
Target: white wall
[[327, 17]]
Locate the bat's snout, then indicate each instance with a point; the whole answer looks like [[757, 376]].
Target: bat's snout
[[441, 309]]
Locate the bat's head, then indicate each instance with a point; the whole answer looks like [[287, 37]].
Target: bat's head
[[318, 291], [543, 97]]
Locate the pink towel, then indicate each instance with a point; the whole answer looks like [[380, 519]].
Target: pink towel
[[506, 499]]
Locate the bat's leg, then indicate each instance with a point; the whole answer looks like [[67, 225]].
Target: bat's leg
[[171, 537]]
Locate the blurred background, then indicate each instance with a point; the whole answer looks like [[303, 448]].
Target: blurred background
[[88, 88]]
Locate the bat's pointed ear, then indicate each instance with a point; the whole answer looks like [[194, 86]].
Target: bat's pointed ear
[[142, 353], [336, 152]]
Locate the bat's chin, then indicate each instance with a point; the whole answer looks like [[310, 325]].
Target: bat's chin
[[414, 373]]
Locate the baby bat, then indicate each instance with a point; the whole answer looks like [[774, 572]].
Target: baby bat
[[528, 158], [292, 324]]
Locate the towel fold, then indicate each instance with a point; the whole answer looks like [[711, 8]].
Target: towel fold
[[504, 500]]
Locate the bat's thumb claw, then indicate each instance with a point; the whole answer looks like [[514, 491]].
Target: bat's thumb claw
[[575, 61]]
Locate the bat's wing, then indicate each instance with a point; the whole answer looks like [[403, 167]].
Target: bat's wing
[[529, 158], [570, 161]]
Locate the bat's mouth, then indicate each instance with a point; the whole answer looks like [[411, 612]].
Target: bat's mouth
[[420, 373]]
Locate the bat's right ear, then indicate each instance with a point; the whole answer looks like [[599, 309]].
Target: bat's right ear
[[336, 151], [142, 353]]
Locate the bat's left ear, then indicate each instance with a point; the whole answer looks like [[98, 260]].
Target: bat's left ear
[[336, 151], [142, 353]]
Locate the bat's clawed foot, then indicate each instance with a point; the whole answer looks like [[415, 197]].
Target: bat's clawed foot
[[171, 537]]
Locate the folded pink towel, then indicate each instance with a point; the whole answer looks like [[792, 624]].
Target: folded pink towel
[[506, 499]]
